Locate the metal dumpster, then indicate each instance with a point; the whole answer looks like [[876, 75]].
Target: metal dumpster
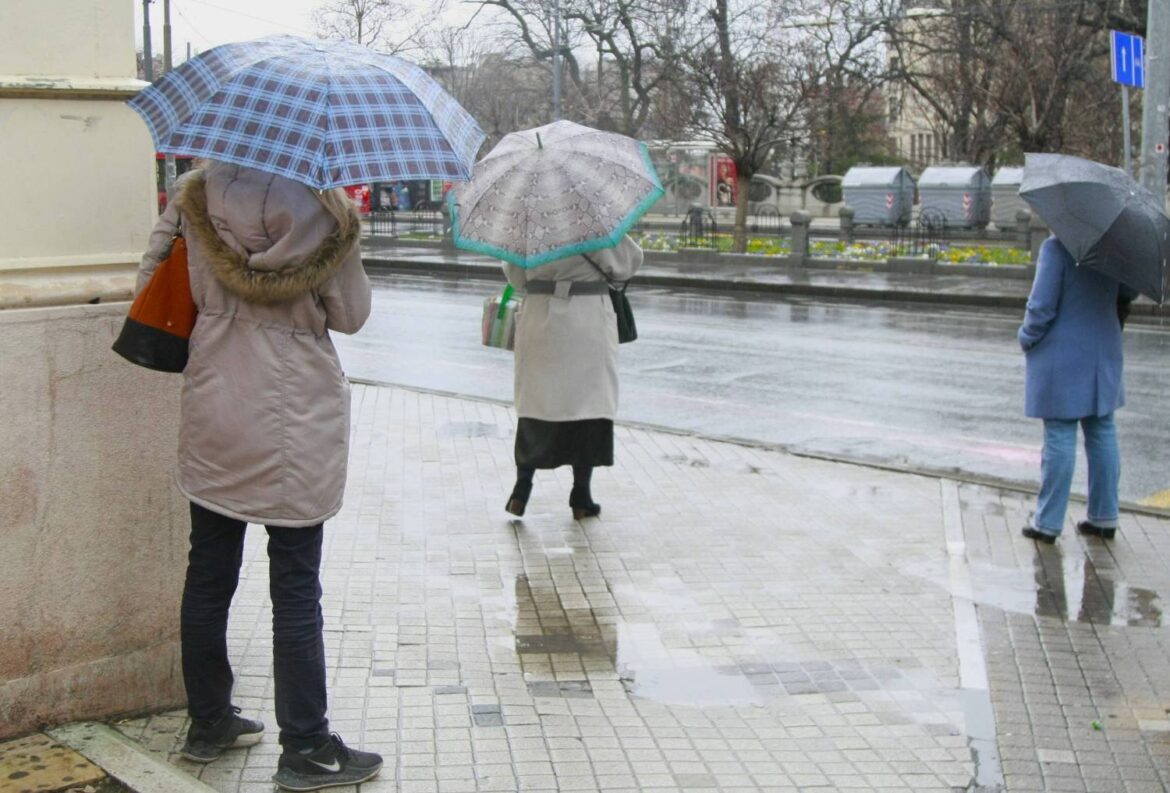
[[961, 194], [879, 196], [1005, 197]]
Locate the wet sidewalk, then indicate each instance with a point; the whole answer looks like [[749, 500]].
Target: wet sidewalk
[[737, 619]]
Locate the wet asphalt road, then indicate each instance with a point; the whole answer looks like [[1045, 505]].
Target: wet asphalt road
[[916, 386]]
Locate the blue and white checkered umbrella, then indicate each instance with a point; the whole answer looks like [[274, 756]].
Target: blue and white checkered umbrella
[[323, 113]]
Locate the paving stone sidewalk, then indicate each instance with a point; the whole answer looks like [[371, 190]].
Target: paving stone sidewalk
[[738, 619]]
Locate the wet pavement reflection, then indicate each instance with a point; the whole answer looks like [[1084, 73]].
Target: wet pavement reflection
[[1073, 588]]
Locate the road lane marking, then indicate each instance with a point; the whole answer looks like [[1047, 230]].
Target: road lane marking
[[1159, 499]]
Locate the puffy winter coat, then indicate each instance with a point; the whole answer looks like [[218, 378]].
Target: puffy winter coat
[[264, 426], [566, 347]]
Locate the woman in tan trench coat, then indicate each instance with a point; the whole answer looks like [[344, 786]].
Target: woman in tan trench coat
[[566, 381], [263, 438]]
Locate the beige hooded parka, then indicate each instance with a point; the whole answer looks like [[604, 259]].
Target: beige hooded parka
[[265, 405]]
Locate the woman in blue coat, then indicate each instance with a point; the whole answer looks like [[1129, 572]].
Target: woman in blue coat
[[1071, 337]]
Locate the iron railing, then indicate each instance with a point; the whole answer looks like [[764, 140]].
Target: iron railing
[[397, 222], [698, 229], [925, 237]]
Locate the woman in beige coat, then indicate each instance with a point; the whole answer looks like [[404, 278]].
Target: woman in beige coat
[[263, 437], [566, 382]]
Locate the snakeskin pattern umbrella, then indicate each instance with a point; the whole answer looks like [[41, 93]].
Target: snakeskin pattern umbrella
[[327, 114], [553, 191]]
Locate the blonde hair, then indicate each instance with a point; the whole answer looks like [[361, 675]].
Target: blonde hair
[[337, 204]]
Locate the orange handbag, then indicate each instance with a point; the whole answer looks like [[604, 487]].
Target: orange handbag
[[161, 318]]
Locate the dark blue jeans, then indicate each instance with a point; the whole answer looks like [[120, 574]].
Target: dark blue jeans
[[298, 647]]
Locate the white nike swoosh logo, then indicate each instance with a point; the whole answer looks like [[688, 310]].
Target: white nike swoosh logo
[[333, 767]]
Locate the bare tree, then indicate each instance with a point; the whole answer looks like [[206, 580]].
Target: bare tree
[[751, 79], [1055, 66], [503, 91], [1003, 77], [394, 26], [846, 117], [948, 57], [634, 46]]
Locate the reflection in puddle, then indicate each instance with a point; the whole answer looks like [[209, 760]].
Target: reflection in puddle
[[678, 677], [1073, 589], [1061, 585]]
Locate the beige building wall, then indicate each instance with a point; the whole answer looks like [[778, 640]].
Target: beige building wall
[[93, 528], [80, 160]]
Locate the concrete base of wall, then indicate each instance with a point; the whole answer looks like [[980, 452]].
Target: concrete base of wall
[[93, 527]]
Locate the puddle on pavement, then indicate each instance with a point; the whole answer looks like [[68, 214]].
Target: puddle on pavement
[[1070, 587], [651, 667], [1073, 588]]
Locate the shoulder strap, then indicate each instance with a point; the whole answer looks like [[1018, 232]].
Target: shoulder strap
[[619, 285]]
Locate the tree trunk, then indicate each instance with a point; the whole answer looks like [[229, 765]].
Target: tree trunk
[[739, 240]]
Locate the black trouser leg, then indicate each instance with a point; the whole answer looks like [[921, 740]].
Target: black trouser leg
[[298, 645], [523, 487], [213, 571]]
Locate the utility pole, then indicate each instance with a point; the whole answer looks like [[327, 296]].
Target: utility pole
[[1155, 110], [170, 169], [147, 55], [556, 60]]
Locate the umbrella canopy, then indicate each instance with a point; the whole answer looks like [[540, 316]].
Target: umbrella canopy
[[545, 193], [1105, 219], [326, 114]]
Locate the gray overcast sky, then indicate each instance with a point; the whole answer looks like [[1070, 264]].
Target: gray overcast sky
[[207, 23]]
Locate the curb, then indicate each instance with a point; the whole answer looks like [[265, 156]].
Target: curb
[[125, 760]]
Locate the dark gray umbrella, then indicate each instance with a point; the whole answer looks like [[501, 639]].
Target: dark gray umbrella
[[1105, 219]]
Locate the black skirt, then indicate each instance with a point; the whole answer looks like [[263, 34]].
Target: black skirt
[[551, 444]]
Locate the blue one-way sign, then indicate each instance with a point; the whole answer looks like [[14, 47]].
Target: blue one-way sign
[[1127, 59]]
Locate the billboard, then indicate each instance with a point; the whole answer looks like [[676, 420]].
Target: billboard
[[723, 187]]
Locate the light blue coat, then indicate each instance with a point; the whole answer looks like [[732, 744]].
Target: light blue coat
[[1072, 339]]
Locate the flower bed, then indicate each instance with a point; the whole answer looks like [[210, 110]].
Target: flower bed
[[870, 251]]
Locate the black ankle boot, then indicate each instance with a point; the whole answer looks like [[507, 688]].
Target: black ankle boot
[[519, 498], [582, 503]]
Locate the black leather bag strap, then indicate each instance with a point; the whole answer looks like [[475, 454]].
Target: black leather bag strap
[[617, 286]]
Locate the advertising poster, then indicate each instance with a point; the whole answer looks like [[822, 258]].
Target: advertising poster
[[722, 180]]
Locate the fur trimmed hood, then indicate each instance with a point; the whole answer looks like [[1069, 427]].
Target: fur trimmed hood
[[292, 260]]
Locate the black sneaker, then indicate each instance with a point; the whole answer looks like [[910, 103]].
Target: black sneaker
[[330, 765], [207, 740]]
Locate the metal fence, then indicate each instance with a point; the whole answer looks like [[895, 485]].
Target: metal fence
[[396, 222], [698, 229], [925, 237], [764, 220]]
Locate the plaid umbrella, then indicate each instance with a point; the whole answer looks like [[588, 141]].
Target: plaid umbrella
[[326, 114], [554, 191], [1106, 220]]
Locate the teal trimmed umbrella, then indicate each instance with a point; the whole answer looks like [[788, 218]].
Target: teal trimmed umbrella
[[554, 191]]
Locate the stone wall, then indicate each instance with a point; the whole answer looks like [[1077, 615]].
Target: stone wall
[[94, 530]]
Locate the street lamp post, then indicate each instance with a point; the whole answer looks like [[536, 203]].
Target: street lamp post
[[147, 55], [170, 171]]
